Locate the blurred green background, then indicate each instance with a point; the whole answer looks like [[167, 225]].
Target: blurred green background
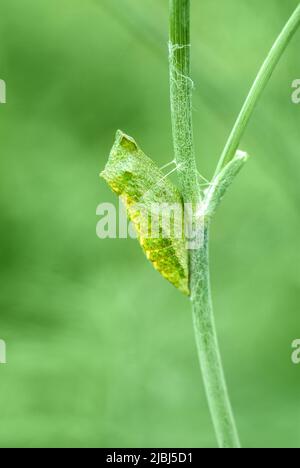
[[100, 349]]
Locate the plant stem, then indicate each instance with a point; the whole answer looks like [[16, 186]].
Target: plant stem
[[181, 87], [205, 332], [208, 347], [258, 87]]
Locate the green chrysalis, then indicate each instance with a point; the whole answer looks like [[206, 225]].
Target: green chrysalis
[[148, 195]]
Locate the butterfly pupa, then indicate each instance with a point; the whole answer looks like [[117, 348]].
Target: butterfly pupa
[[144, 189]]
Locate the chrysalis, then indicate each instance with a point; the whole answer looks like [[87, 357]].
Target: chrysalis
[[155, 207]]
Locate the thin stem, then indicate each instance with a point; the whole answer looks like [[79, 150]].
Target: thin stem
[[258, 87], [181, 87], [221, 183], [206, 338], [208, 347]]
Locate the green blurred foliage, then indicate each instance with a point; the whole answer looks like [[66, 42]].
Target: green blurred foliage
[[100, 349]]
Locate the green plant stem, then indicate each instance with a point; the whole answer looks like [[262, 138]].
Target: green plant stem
[[208, 347], [204, 326], [181, 87], [221, 183], [258, 87]]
